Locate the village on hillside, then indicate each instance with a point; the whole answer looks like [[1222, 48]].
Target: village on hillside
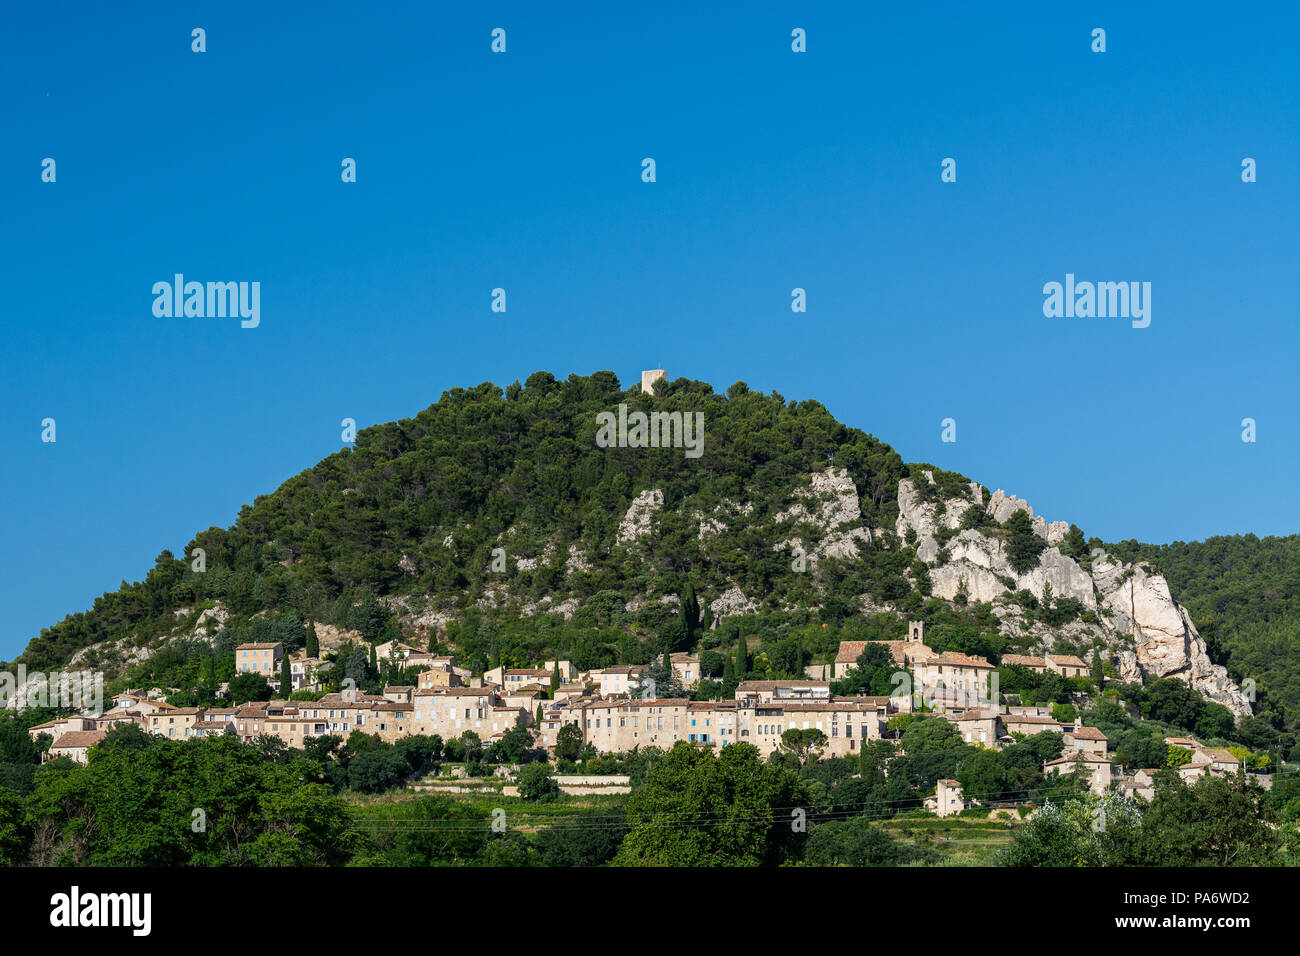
[[617, 710]]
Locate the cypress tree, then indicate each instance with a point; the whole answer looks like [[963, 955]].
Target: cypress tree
[[286, 677], [690, 612], [313, 643]]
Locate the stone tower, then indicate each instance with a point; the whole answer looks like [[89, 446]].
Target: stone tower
[[650, 376], [916, 632]]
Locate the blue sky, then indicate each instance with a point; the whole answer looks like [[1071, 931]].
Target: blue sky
[[775, 170]]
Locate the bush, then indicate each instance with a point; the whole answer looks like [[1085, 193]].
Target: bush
[[537, 783]]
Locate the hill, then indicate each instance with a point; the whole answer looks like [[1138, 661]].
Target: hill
[[491, 523]]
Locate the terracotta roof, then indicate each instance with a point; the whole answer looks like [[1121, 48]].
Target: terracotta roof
[[1066, 660], [1088, 733], [812, 706], [850, 651], [1023, 660], [955, 659], [774, 684], [1219, 755], [975, 715], [79, 738], [259, 647], [1087, 758]]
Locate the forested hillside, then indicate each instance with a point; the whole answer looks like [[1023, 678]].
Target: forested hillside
[[493, 526], [416, 507]]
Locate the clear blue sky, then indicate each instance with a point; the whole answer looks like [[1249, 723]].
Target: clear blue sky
[[522, 170]]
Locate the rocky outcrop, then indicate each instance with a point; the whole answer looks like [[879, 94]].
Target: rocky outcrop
[[1002, 506], [830, 510], [925, 519], [576, 562], [1166, 642], [711, 525], [732, 601], [1136, 615], [636, 521]]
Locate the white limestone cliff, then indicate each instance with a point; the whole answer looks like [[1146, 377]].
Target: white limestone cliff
[[1136, 615]]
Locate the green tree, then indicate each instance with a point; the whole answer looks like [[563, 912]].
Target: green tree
[[858, 842], [690, 614], [1024, 548], [696, 808], [873, 674], [983, 775], [803, 743], [537, 783], [587, 839], [568, 742], [135, 807], [248, 687], [15, 835]]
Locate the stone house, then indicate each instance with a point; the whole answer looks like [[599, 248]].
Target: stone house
[[1099, 769], [75, 745], [261, 659], [1067, 665]]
